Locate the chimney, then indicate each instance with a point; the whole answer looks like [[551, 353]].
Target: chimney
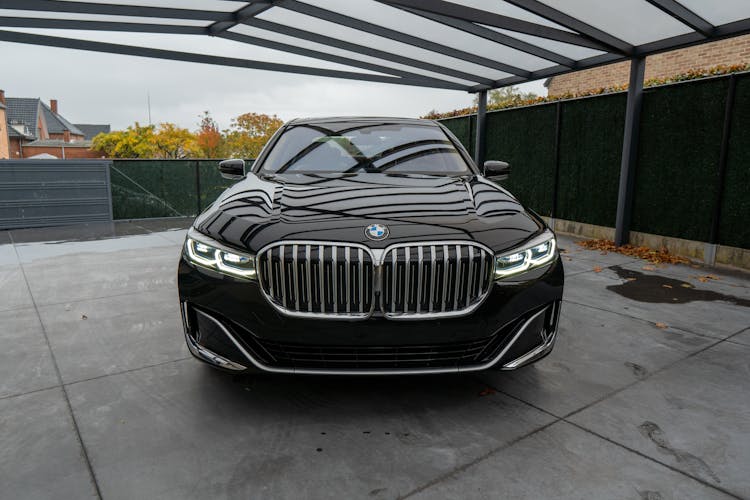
[[2, 96], [53, 105]]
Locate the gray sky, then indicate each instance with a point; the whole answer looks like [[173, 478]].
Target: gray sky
[[103, 88]]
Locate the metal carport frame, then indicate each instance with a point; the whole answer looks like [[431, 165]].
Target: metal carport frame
[[468, 45]]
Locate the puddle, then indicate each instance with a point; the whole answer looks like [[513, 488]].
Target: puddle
[[662, 290]]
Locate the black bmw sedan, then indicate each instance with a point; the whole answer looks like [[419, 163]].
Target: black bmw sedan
[[368, 246]]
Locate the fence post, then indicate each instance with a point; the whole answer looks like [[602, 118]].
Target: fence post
[[713, 238], [556, 185], [479, 148], [629, 160], [198, 186]]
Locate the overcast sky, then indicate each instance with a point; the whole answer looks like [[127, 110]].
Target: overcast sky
[[102, 88]]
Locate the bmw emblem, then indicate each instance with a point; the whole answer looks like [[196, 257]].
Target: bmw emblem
[[376, 232]]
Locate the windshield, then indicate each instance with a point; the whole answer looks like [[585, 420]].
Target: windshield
[[350, 147]]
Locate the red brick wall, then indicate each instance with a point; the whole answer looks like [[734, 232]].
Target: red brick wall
[[730, 51], [70, 153], [15, 148]]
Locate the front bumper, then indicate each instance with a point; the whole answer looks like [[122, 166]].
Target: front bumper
[[230, 325]]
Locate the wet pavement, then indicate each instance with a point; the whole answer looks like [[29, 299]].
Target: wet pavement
[[646, 395]]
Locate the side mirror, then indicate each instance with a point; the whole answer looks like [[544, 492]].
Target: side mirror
[[494, 168], [232, 169]]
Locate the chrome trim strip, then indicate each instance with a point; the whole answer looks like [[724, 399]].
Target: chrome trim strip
[[416, 371], [545, 347], [203, 353]]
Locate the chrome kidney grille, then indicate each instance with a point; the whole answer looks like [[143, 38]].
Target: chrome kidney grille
[[340, 280], [318, 279], [434, 279]]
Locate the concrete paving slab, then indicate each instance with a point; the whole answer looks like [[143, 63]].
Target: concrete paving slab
[[82, 276], [14, 294], [181, 430], [8, 255], [77, 232], [711, 318], [597, 352], [118, 333], [25, 362], [35, 252], [694, 416], [742, 338], [563, 462], [40, 456]]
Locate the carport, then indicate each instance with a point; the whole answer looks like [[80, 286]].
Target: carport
[[645, 396], [463, 45]]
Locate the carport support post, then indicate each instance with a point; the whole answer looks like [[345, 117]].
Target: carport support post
[[479, 147], [629, 159]]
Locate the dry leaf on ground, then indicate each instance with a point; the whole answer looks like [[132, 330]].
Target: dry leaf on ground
[[655, 256], [661, 325], [597, 269]]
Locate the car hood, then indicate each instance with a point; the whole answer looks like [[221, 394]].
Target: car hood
[[338, 207]]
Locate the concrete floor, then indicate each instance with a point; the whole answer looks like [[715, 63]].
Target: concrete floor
[[100, 398]]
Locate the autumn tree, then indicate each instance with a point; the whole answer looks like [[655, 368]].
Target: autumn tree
[[209, 138], [165, 141], [249, 132], [134, 142], [173, 142]]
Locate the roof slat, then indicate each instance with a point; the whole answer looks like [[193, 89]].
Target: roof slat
[[116, 10]]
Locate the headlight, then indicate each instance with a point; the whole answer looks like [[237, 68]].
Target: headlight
[[207, 253], [539, 251]]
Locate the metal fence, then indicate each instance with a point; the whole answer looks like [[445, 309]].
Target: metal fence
[[36, 193], [693, 176]]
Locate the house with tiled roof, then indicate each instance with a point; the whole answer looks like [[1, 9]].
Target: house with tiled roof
[[34, 129]]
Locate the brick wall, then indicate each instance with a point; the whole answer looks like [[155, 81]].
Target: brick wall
[[730, 51], [70, 152], [4, 144]]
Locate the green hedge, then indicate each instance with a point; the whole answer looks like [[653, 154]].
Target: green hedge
[[734, 229], [164, 188], [525, 139], [677, 172], [680, 143]]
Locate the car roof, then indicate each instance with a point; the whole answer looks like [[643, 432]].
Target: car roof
[[374, 119]]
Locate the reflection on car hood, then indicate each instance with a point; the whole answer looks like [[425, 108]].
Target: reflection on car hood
[[337, 207]]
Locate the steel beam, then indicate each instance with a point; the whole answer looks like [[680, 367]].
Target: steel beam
[[629, 160], [364, 50], [480, 148], [374, 29], [470, 14], [494, 36], [70, 43], [74, 24], [684, 15], [602, 37], [247, 12], [116, 10]]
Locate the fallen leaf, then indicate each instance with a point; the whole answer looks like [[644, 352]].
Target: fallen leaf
[[661, 256], [83, 316], [597, 269], [629, 279], [667, 286], [487, 392], [661, 325], [686, 285], [648, 268]]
